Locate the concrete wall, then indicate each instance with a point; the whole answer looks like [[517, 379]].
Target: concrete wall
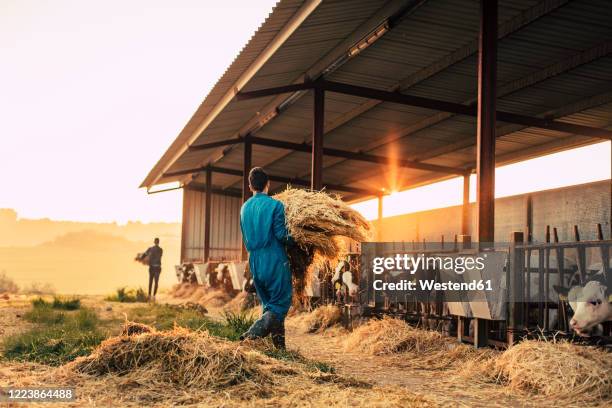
[[584, 205]]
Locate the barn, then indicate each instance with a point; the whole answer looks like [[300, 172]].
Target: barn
[[363, 96]]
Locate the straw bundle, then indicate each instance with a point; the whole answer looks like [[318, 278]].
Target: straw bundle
[[142, 258], [562, 370], [316, 221]]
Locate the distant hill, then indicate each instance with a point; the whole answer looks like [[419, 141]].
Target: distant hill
[[88, 261], [19, 232]]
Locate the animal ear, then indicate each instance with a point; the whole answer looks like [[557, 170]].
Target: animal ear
[[561, 290]]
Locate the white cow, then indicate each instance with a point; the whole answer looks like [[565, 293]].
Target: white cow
[[591, 308]]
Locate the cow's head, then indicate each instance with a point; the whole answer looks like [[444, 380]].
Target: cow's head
[[590, 305]]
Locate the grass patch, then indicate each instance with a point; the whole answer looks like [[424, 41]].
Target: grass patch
[[59, 338], [125, 295], [60, 303], [296, 357], [164, 317]]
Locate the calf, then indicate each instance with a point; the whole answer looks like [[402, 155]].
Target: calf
[[591, 308]]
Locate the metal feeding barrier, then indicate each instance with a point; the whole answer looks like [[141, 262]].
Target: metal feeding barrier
[[526, 303], [538, 270]]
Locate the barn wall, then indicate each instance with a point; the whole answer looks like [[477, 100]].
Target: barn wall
[[584, 205], [225, 238]]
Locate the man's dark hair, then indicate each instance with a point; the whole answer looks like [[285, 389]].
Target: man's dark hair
[[258, 178], [156, 241]]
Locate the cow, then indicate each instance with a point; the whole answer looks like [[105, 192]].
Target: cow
[[591, 307]]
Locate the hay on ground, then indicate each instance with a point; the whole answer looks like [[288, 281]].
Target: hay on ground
[[134, 328], [183, 290], [320, 319], [428, 349], [317, 221], [569, 372], [183, 367], [180, 357]]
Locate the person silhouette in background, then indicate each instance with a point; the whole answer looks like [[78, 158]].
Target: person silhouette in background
[[154, 255]]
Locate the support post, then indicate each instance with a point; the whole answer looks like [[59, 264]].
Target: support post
[[246, 168], [316, 174], [183, 228], [485, 143], [465, 209], [380, 217], [515, 285], [207, 212]]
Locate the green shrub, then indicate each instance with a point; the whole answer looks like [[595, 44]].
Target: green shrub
[[73, 303], [237, 323], [125, 295], [60, 303]]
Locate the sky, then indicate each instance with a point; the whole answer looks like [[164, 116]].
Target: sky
[[93, 92]]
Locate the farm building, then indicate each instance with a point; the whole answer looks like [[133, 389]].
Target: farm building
[[359, 96]]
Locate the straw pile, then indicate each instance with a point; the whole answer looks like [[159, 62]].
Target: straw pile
[[183, 290], [179, 357], [570, 372], [428, 349], [134, 328], [316, 221], [181, 367], [320, 319]]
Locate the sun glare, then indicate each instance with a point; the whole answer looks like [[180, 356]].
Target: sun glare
[[577, 166]]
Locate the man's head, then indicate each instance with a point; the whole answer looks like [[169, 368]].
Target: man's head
[[156, 241], [258, 180]]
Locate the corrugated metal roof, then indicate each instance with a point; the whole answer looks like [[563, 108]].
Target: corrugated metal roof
[[553, 60]]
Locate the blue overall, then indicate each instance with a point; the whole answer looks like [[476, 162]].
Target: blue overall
[[262, 221]]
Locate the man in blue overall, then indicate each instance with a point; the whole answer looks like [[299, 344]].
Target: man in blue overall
[[262, 221]]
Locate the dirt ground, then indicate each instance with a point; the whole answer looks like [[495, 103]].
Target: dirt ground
[[439, 386]]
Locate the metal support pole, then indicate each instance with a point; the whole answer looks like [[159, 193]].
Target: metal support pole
[[183, 228], [207, 212], [465, 209], [246, 168], [487, 61], [515, 287], [316, 181], [380, 217]]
